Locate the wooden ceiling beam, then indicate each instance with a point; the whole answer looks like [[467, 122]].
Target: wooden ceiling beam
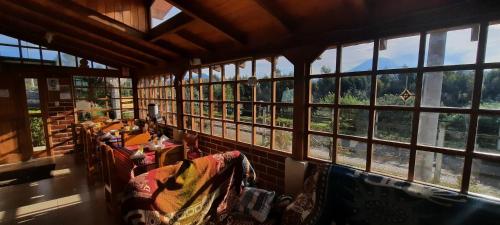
[[69, 12], [55, 25], [272, 9], [172, 25], [216, 22], [195, 40], [176, 48], [77, 47]]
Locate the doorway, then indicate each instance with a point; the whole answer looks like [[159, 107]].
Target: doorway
[[36, 122]]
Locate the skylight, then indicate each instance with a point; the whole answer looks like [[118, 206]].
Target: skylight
[[162, 11]]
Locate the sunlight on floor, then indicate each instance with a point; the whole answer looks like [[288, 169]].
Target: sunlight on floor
[[41, 207], [60, 172]]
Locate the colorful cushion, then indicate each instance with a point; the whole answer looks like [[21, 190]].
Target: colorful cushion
[[255, 202]]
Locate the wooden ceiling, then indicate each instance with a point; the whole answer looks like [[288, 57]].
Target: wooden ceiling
[[116, 32]]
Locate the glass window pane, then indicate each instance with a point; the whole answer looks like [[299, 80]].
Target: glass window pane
[[485, 178], [354, 122], [205, 92], [264, 91], [217, 110], [443, 130], [37, 133], [196, 108], [357, 57], [206, 127], [263, 68], [490, 94], [31, 55], [355, 90], [284, 68], [4, 39], [283, 140], [229, 92], [396, 89], [245, 133], [262, 137], [351, 153], [263, 114], [28, 44], [284, 116], [245, 70], [230, 131], [188, 122], [439, 169], [196, 124], [322, 119], [8, 51], [488, 135], [229, 111], [205, 75], [493, 43], [246, 112], [216, 73], [448, 89], [161, 11], [323, 90], [229, 72], [284, 91], [206, 109], [195, 76], [217, 92], [400, 52], [217, 128], [246, 92], [320, 147], [32, 95], [451, 46], [196, 92], [126, 82], [390, 160], [393, 125], [325, 63], [68, 60], [50, 57], [126, 93], [97, 65]]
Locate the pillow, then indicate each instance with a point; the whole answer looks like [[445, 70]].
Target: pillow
[[255, 202], [300, 209]]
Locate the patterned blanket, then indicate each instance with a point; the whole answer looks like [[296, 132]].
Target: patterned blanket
[[189, 192]]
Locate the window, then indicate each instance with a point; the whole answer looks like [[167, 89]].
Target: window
[[159, 90], [18, 51], [162, 11], [414, 115], [229, 108], [103, 97]]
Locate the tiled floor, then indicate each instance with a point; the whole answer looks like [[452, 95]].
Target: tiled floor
[[64, 199]]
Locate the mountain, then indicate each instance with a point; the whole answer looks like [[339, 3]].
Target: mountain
[[384, 63]]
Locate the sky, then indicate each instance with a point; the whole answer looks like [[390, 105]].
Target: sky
[[171, 13]]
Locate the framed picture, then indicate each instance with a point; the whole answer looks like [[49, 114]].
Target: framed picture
[[53, 84]]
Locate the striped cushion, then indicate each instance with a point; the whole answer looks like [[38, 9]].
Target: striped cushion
[[255, 202]]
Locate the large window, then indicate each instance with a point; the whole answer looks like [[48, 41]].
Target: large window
[[159, 90], [103, 97], [219, 101], [423, 107], [19, 51]]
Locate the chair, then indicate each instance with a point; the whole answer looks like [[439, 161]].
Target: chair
[[91, 156], [109, 177]]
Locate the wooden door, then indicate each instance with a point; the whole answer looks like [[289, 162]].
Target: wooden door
[[12, 121]]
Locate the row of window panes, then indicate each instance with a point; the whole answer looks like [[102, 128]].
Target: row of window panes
[[110, 97], [34, 54], [161, 91], [440, 89], [460, 45], [246, 132]]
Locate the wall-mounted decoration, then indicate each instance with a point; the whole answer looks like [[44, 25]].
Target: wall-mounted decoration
[[65, 93], [4, 93], [53, 84]]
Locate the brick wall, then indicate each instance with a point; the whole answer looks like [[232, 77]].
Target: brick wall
[[269, 166], [60, 118]]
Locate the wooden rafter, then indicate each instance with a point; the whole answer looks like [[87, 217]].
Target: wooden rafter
[[167, 44], [195, 40], [274, 10], [69, 12], [174, 24], [52, 24], [218, 23]]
